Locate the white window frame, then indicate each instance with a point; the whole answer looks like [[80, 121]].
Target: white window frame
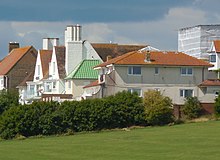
[[138, 90], [183, 92], [131, 70], [187, 71]]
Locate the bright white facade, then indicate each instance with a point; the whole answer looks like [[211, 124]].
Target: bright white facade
[[196, 41]]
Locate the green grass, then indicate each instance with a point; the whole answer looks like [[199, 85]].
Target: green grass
[[194, 141]]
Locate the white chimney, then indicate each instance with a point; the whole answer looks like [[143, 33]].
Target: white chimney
[[49, 43], [73, 33]]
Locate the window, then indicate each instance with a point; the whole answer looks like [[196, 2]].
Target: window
[[54, 84], [156, 71], [2, 83], [186, 71], [32, 89], [186, 93], [54, 68], [212, 58], [134, 70], [137, 90], [38, 70], [48, 87]]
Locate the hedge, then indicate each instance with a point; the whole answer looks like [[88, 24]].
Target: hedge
[[49, 118]]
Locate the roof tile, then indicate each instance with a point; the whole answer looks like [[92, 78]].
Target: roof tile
[[157, 58], [12, 58], [85, 70]]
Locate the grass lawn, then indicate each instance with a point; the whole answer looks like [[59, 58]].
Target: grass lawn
[[194, 141]]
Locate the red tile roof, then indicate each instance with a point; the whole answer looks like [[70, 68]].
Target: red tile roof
[[157, 58], [210, 82], [45, 56], [93, 84], [12, 58], [217, 45], [114, 50]]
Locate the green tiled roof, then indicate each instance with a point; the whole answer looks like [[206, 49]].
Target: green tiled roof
[[85, 70]]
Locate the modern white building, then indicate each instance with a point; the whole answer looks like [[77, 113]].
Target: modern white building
[[196, 40]]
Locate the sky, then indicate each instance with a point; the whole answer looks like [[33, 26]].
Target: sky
[[145, 22]]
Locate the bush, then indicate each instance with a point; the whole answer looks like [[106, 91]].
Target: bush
[[8, 99], [48, 118], [192, 108], [217, 106], [157, 108]]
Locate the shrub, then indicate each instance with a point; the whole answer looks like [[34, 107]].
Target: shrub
[[47, 118], [192, 108], [8, 99], [217, 106], [157, 108]]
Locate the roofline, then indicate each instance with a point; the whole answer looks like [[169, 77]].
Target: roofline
[[30, 47], [200, 25]]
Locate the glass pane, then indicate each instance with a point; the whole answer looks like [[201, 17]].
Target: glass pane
[[212, 58], [136, 70], [129, 70], [156, 70], [183, 70], [181, 93], [189, 71]]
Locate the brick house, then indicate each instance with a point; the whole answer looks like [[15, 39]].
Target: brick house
[[16, 66]]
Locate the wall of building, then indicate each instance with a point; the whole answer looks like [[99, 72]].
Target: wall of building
[[169, 81], [196, 41], [23, 67]]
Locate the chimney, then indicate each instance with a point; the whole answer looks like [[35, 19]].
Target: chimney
[[108, 58], [73, 33], [147, 57], [49, 43], [12, 45]]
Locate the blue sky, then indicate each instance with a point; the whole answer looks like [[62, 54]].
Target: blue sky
[[153, 22]]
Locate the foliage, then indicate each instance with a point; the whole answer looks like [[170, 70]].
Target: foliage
[[158, 108], [217, 106], [8, 99], [192, 107], [49, 118]]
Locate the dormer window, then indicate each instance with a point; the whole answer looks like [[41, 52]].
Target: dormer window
[[212, 58]]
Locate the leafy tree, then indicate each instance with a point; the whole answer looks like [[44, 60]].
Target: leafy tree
[[8, 99], [192, 107], [158, 108]]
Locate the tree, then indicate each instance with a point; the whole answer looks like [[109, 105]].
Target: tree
[[192, 107], [7, 99], [158, 108]]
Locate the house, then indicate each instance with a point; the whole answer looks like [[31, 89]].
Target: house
[[174, 74], [17, 65], [197, 40], [82, 75], [56, 76]]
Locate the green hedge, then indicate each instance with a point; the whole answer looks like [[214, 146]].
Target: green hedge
[[48, 118]]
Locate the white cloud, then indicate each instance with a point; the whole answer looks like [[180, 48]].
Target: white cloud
[[161, 34]]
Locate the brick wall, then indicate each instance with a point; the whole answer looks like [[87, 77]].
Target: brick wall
[[22, 68]]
